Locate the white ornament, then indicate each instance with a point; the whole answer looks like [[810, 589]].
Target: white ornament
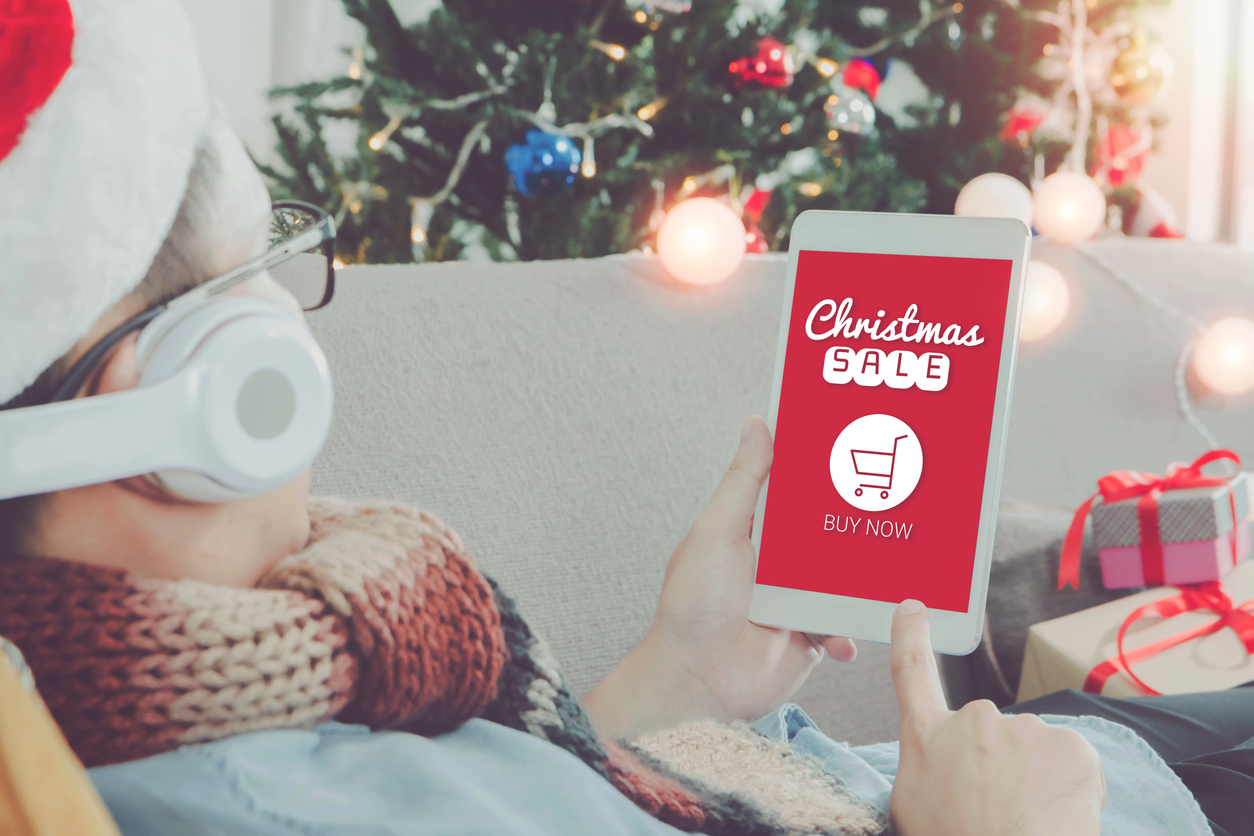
[[995, 196], [849, 109], [1046, 299], [1069, 207], [701, 241], [872, 16], [1224, 356]]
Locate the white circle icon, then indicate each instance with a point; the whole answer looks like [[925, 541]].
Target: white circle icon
[[876, 462]]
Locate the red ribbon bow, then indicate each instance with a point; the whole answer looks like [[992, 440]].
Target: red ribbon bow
[[1206, 596], [1125, 484]]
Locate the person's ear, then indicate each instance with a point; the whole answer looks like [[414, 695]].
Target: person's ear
[[118, 373]]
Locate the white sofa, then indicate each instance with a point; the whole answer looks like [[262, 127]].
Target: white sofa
[[572, 418]]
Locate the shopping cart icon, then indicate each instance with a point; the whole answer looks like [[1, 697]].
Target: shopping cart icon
[[877, 465]]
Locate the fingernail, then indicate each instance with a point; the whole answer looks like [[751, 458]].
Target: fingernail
[[909, 607], [746, 430]]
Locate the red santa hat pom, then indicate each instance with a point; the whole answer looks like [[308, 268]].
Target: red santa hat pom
[[861, 74], [102, 108], [1155, 217]]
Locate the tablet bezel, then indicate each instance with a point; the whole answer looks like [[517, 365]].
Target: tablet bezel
[[902, 234]]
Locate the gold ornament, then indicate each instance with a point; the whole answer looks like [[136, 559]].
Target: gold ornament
[[1142, 70]]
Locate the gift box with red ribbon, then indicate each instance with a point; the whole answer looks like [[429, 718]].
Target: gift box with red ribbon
[[1169, 640], [1183, 528]]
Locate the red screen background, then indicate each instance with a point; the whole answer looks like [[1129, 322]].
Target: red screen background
[[953, 425]]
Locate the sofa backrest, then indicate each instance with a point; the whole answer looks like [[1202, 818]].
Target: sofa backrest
[[572, 418]]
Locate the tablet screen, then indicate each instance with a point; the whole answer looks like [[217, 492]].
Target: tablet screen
[[883, 425]]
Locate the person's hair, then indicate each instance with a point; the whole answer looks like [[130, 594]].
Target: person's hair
[[184, 261]]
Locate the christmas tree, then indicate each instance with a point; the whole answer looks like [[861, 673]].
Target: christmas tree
[[532, 129]]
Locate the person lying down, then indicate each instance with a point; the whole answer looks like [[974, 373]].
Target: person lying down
[[229, 656]]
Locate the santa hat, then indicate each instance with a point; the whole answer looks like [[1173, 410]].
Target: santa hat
[[1155, 217], [103, 107]]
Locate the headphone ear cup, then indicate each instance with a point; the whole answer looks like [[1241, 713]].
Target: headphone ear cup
[[263, 393]]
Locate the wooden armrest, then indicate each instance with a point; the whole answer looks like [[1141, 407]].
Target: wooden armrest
[[44, 790]]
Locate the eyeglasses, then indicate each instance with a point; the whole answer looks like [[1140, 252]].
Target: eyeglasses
[[301, 258]]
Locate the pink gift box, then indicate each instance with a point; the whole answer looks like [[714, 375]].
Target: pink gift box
[[1194, 561]]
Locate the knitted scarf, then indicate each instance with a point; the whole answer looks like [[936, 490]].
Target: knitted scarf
[[382, 620]]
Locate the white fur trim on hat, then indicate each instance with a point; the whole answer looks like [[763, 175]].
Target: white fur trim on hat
[[93, 186]]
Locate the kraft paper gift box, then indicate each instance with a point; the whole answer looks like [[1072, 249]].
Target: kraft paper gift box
[[1060, 653], [1195, 528]]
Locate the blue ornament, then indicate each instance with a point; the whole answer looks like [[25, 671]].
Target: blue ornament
[[545, 165]]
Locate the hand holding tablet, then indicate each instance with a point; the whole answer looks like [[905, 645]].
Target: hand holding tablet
[[889, 411]]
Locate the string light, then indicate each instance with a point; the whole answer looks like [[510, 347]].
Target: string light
[[833, 134], [589, 168], [833, 99], [702, 241], [1224, 356], [785, 128], [995, 195], [421, 210], [1046, 299], [810, 189], [650, 110], [827, 67], [690, 184], [957, 8], [380, 139], [658, 215], [614, 51], [354, 66], [1068, 207], [337, 264], [641, 17], [355, 206]]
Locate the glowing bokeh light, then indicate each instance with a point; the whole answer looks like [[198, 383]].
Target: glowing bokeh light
[[701, 242], [1224, 356]]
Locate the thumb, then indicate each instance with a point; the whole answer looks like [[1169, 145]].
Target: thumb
[[731, 508]]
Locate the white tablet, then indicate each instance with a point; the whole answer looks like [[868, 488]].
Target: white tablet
[[889, 409]]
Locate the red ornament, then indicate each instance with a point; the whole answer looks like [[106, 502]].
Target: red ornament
[[1021, 121], [35, 40], [1121, 155], [771, 67], [755, 241], [861, 75]]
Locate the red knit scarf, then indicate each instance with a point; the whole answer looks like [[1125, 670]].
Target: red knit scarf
[[382, 620]]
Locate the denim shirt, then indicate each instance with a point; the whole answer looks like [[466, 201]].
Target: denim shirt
[[485, 778], [1143, 795]]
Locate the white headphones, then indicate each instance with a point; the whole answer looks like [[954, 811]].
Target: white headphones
[[234, 401]]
